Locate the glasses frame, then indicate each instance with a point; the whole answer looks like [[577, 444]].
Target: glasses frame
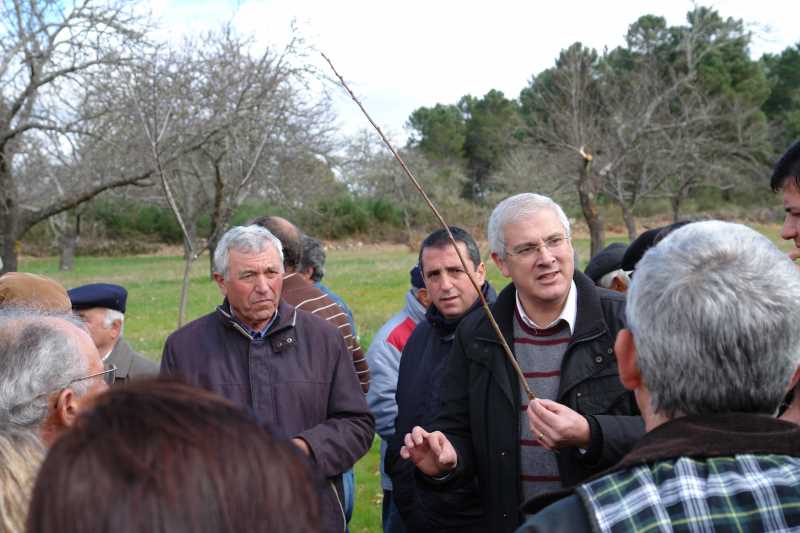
[[534, 250], [109, 375]]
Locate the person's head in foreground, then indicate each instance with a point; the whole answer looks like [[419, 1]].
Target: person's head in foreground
[[161, 456], [21, 453], [709, 331], [712, 347], [49, 371]]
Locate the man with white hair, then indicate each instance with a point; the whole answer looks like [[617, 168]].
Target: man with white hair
[[291, 368], [711, 348], [561, 328], [49, 368], [102, 308]]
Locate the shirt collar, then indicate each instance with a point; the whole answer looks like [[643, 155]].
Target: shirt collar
[[256, 335], [568, 313]]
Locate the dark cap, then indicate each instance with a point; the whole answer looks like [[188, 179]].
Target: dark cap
[[99, 295], [29, 290], [416, 278], [638, 247], [607, 260], [647, 240]]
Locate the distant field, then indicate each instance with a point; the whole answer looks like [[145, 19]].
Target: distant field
[[372, 279]]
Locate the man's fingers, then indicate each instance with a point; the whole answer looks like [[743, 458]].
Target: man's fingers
[[418, 435], [404, 453], [794, 255]]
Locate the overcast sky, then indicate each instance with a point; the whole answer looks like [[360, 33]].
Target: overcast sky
[[399, 56]]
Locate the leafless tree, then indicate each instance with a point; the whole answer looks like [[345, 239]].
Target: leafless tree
[[221, 122], [56, 58]]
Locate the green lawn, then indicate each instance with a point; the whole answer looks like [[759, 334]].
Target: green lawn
[[373, 281]]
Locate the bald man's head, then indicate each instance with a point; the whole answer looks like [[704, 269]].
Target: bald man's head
[[291, 238]]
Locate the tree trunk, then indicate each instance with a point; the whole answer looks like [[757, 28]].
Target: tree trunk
[[675, 202], [9, 215], [591, 212], [188, 258], [68, 241], [630, 221]]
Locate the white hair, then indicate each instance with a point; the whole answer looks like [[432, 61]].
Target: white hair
[[518, 207], [244, 239], [714, 313], [37, 357], [112, 315]]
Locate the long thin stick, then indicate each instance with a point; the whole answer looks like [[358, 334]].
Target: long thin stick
[[444, 224]]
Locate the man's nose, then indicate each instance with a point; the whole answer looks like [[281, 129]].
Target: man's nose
[[262, 284], [789, 230], [546, 255]]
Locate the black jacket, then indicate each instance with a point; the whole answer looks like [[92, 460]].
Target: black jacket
[[422, 368], [481, 401]]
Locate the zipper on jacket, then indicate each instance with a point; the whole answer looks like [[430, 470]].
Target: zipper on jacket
[[339, 502]]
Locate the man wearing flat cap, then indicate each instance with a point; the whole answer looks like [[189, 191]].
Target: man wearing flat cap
[[102, 307]]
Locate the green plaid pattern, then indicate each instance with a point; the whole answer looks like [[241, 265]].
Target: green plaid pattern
[[742, 493]]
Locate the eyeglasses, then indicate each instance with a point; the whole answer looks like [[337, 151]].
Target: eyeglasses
[[109, 375], [529, 250]]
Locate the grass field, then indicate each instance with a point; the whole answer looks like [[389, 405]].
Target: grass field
[[373, 280]]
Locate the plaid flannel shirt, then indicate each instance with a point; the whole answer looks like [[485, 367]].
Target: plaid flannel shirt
[[736, 493]]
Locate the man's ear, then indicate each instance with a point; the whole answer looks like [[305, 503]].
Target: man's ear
[[66, 409], [795, 378], [422, 297], [618, 285], [220, 279], [116, 329], [625, 349], [501, 265]]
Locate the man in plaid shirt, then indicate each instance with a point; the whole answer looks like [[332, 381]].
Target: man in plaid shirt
[[711, 348]]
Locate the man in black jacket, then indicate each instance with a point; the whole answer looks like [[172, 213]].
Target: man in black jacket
[[562, 330], [422, 367]]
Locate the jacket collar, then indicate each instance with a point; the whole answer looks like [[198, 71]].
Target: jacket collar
[[588, 320], [287, 317], [414, 309], [293, 281], [718, 435], [447, 326], [589, 323]]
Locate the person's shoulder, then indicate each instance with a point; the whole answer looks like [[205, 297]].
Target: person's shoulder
[[306, 322], [195, 327]]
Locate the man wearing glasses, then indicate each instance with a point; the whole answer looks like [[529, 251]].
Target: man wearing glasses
[[561, 329], [49, 370]]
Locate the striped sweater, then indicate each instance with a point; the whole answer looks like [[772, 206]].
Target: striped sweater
[[302, 294], [539, 353]]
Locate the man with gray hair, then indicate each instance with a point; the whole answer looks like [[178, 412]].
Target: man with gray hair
[[561, 328], [49, 368], [291, 368], [711, 348]]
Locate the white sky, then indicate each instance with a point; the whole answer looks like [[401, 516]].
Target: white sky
[[401, 55]]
